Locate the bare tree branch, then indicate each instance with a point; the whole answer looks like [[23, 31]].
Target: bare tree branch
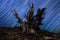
[[19, 19]]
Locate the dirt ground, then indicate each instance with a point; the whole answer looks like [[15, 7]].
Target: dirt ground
[[15, 34]]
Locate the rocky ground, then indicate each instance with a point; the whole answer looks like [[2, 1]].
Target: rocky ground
[[15, 34]]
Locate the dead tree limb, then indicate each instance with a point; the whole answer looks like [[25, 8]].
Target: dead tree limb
[[22, 24]]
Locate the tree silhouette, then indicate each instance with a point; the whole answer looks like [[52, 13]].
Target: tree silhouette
[[33, 21]]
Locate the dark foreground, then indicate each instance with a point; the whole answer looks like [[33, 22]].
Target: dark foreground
[[15, 34]]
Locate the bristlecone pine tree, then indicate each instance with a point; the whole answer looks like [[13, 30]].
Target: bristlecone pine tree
[[33, 21], [30, 29]]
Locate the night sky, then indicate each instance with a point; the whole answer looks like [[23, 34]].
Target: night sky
[[51, 22]]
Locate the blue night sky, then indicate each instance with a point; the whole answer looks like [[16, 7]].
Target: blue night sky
[[52, 13]]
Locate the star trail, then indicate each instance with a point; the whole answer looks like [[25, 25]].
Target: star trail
[[52, 12]]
